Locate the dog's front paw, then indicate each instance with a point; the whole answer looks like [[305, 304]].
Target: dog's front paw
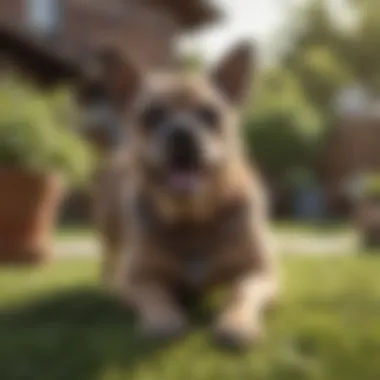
[[165, 328], [237, 334]]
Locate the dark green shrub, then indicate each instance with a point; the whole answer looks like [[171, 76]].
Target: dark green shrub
[[282, 130]]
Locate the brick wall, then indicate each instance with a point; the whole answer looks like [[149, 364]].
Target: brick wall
[[12, 11], [147, 35], [353, 146], [148, 39]]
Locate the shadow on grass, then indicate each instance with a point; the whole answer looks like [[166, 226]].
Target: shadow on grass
[[73, 335]]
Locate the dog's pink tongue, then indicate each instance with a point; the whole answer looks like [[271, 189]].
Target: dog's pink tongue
[[184, 181]]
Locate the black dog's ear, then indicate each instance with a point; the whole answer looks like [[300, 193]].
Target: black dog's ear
[[234, 74], [111, 74]]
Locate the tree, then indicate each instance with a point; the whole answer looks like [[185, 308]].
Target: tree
[[327, 54], [283, 128]]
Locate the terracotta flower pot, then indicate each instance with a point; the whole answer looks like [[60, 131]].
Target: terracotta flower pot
[[28, 209]]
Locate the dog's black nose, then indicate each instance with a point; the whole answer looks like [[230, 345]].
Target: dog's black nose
[[183, 150]]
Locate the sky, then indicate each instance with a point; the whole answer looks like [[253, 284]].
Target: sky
[[260, 20], [256, 19]]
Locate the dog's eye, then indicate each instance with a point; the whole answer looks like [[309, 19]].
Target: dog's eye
[[153, 116], [209, 116]]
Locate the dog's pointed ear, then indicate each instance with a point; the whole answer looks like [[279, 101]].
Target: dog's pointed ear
[[233, 75], [114, 74], [122, 77]]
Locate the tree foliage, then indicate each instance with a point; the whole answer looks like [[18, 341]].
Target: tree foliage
[[328, 50], [283, 128]]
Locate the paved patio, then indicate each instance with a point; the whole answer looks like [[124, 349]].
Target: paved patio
[[304, 243]]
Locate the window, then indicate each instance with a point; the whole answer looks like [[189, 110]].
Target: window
[[43, 16]]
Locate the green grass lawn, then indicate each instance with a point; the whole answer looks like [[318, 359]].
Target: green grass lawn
[[320, 228], [56, 325], [74, 232]]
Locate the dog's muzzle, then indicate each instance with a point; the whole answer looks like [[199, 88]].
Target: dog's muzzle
[[183, 150], [184, 162]]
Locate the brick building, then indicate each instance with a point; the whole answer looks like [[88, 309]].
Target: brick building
[[70, 29], [352, 148]]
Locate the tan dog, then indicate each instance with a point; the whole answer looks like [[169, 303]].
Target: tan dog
[[183, 210]]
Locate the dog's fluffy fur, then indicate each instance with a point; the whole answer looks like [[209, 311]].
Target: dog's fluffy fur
[[158, 243]]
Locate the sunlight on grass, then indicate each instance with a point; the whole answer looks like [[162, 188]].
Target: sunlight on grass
[[56, 324], [72, 233], [311, 227]]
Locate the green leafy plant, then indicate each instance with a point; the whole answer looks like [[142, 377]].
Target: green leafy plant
[[37, 132]]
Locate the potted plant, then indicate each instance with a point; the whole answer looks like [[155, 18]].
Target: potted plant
[[39, 155]]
